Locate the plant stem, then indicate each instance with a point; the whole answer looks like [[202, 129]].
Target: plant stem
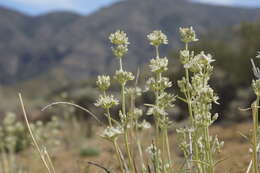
[[118, 156], [109, 118], [255, 129], [208, 150], [157, 51], [168, 149], [188, 98], [130, 159]]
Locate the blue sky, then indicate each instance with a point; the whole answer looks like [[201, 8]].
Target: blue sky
[[247, 3], [35, 7]]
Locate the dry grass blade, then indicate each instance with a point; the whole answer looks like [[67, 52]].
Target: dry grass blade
[[75, 105], [32, 136]]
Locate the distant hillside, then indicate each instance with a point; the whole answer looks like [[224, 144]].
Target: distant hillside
[[77, 46]]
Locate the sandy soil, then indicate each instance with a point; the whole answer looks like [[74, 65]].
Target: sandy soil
[[67, 160]]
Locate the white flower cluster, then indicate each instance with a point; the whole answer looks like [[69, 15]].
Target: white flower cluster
[[152, 151], [103, 82], [106, 102], [157, 85], [143, 125], [157, 38], [188, 35], [123, 76], [156, 111], [166, 100], [218, 145], [185, 56], [12, 133], [111, 133], [138, 112], [200, 97], [185, 145], [159, 65], [199, 62], [136, 91], [120, 40], [48, 132], [120, 50]]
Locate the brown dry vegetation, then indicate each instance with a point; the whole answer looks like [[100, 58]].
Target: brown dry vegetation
[[67, 159]]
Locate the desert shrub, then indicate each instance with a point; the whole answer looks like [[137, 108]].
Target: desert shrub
[[13, 134], [89, 152], [15, 138]]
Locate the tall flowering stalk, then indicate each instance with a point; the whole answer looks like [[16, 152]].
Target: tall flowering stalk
[[163, 100], [120, 41], [106, 101], [199, 147]]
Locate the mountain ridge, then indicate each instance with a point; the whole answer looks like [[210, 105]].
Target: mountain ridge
[[77, 46]]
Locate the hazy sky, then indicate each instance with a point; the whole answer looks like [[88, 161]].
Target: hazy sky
[[248, 3], [35, 7]]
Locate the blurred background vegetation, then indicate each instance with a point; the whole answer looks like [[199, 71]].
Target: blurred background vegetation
[[56, 56]]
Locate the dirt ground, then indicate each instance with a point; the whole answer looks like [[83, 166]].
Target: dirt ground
[[235, 153]]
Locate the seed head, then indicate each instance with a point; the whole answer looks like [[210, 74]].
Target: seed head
[[157, 38]]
